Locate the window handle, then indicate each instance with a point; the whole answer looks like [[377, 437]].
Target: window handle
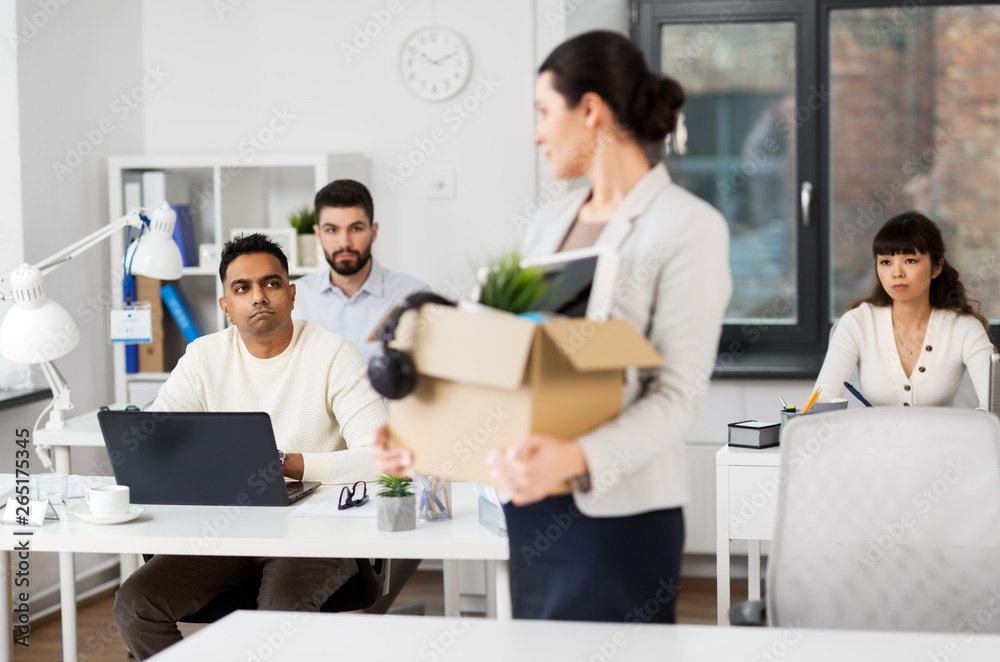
[[806, 197]]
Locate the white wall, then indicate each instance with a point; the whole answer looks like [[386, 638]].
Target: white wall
[[229, 73], [73, 62], [585, 15], [11, 233], [82, 59]]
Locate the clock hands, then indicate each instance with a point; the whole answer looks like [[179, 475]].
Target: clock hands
[[437, 61], [440, 60]]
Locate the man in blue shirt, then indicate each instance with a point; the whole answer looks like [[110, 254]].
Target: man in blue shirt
[[357, 292], [354, 295]]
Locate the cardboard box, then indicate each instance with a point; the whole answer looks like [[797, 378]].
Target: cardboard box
[[487, 379], [151, 357]]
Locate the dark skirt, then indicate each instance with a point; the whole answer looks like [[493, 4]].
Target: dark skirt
[[566, 566]]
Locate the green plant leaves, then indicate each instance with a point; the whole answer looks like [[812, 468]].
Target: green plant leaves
[[303, 220], [394, 486], [512, 288]]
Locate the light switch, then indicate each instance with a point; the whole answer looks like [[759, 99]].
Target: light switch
[[441, 182]]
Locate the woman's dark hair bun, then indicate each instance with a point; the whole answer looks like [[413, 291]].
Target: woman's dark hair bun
[[656, 106], [608, 64]]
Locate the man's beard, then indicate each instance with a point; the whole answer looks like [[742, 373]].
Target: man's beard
[[350, 268]]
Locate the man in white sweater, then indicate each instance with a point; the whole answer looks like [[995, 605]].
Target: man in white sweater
[[314, 386]]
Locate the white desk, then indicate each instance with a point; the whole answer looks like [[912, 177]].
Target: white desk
[[285, 636], [259, 531], [746, 505], [82, 430]]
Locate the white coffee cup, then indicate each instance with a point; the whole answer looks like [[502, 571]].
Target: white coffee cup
[[108, 499]]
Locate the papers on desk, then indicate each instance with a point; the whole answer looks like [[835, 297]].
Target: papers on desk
[[325, 506]]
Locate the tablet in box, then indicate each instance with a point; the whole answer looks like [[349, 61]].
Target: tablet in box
[[487, 379], [581, 282]]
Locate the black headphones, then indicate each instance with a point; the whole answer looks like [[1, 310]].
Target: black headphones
[[393, 373]]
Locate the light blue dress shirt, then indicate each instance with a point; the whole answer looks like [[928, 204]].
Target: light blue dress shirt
[[317, 300]]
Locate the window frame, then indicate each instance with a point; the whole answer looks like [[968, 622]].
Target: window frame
[[759, 349]]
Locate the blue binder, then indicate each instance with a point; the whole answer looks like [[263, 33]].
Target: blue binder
[[180, 309]]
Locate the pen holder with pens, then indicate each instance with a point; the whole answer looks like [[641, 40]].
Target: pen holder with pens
[[821, 405], [434, 498]]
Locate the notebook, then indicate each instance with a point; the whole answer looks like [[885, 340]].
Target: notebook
[[197, 458]]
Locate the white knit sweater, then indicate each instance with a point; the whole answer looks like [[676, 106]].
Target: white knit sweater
[[864, 339], [316, 392]]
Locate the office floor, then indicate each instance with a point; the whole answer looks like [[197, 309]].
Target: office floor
[[99, 640]]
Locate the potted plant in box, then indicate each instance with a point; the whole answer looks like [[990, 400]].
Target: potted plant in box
[[509, 286], [303, 221], [396, 507]]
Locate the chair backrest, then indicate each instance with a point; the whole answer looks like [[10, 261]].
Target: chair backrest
[[888, 519], [994, 399]]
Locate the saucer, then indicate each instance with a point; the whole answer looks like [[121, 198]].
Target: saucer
[[83, 512]]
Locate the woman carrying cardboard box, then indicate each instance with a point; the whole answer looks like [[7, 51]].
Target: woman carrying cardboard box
[[611, 550]]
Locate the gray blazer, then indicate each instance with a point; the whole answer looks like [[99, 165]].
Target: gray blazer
[[674, 285]]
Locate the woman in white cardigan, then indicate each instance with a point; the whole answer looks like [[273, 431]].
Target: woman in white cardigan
[[611, 550], [914, 338]]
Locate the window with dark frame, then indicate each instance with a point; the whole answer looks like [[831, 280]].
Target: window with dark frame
[[810, 123]]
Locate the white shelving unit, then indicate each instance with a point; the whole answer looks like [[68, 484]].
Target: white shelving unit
[[225, 194]]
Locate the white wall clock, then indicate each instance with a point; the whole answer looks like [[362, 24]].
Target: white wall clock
[[436, 63]]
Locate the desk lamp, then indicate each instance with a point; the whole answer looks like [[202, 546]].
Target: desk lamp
[[38, 330]]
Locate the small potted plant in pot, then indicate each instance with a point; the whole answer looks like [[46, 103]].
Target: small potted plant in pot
[[303, 221], [396, 507]]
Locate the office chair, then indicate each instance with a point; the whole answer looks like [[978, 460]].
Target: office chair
[[888, 519]]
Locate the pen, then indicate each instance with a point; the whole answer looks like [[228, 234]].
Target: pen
[[812, 401], [857, 394], [784, 405]]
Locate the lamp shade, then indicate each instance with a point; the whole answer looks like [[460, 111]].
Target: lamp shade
[[35, 329], [156, 254]]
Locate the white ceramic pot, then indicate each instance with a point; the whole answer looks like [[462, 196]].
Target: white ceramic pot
[[307, 250]]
